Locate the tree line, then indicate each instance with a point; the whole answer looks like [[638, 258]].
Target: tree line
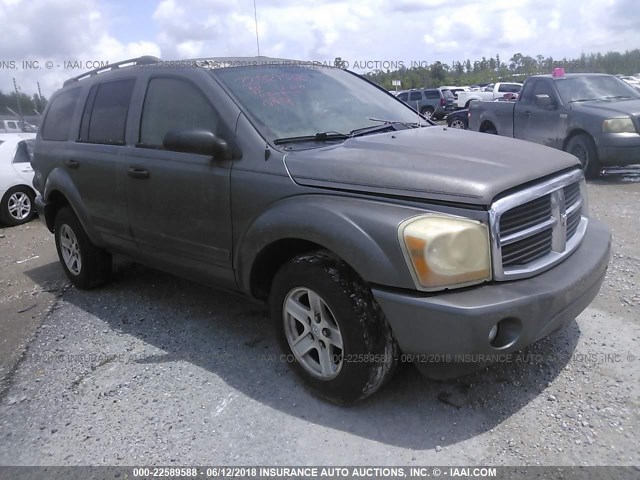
[[493, 69], [29, 105]]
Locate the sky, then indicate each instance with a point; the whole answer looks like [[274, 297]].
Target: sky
[[68, 37]]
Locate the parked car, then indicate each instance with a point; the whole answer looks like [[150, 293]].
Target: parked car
[[431, 102], [456, 90], [490, 92], [10, 126], [16, 176], [458, 119], [595, 117], [373, 235]]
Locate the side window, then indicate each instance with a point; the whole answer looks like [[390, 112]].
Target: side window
[[415, 97], [171, 104], [403, 96], [24, 152], [432, 94], [526, 97], [105, 114], [509, 88], [57, 124], [12, 125]]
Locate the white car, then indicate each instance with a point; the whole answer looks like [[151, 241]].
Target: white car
[[16, 175]]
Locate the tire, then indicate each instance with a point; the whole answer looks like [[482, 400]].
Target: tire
[[427, 112], [17, 206], [458, 123], [346, 326], [86, 265], [583, 147], [491, 131]]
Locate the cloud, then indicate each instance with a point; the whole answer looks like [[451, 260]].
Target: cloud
[[356, 30], [59, 31]]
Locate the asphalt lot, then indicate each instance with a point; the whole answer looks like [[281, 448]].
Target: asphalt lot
[[152, 369]]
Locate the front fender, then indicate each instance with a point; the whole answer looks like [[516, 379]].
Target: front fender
[[59, 181], [361, 232]]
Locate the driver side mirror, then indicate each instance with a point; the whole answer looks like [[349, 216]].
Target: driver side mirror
[[198, 141], [543, 100]]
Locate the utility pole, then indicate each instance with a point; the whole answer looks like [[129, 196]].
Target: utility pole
[[15, 86], [40, 98], [255, 17]]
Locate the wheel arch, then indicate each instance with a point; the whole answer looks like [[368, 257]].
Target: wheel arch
[[574, 133], [487, 125], [336, 224], [59, 192]]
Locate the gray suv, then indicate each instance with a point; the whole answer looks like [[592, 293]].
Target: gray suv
[[374, 235], [431, 102]]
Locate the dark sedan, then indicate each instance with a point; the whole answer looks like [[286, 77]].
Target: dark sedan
[[458, 119]]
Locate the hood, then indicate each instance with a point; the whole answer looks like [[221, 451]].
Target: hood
[[614, 108], [433, 163]]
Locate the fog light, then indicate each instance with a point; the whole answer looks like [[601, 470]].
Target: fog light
[[493, 333], [505, 333]]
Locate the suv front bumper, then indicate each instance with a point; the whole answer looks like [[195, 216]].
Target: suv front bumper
[[455, 325]]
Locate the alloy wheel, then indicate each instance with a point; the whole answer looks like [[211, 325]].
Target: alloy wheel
[[70, 250], [313, 333]]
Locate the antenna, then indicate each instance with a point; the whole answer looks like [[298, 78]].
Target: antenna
[[255, 16]]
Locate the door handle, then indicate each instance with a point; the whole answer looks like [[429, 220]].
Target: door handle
[[72, 163], [138, 172], [527, 113]]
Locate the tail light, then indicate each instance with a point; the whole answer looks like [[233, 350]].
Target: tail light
[[442, 102]]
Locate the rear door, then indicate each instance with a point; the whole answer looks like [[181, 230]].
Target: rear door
[[22, 160], [179, 203], [95, 161]]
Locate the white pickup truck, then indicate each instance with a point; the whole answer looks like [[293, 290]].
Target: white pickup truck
[[10, 126], [489, 93]]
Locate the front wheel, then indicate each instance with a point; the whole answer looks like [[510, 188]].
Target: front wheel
[[458, 123], [583, 147], [330, 328], [17, 206], [86, 265]]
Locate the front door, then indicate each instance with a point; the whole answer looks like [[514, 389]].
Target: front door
[[178, 203], [537, 123]]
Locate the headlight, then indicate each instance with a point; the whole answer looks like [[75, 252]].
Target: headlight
[[445, 251], [618, 125]]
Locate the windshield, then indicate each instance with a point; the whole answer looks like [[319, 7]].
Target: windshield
[[591, 88], [294, 101]]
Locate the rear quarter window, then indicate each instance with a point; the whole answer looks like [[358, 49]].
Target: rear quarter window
[[57, 124], [509, 88], [432, 94]]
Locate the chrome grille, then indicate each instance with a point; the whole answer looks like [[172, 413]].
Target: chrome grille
[[537, 227]]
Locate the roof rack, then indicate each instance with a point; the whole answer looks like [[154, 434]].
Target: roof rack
[[144, 60]]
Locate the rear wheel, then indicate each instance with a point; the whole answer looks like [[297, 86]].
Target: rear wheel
[[583, 147], [86, 265], [457, 123], [17, 206], [332, 331], [427, 112]]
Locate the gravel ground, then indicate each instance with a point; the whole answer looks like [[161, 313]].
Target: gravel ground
[[153, 369]]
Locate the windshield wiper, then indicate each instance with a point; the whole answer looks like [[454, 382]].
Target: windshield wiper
[[318, 137], [391, 122], [386, 125], [585, 100], [618, 96]]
